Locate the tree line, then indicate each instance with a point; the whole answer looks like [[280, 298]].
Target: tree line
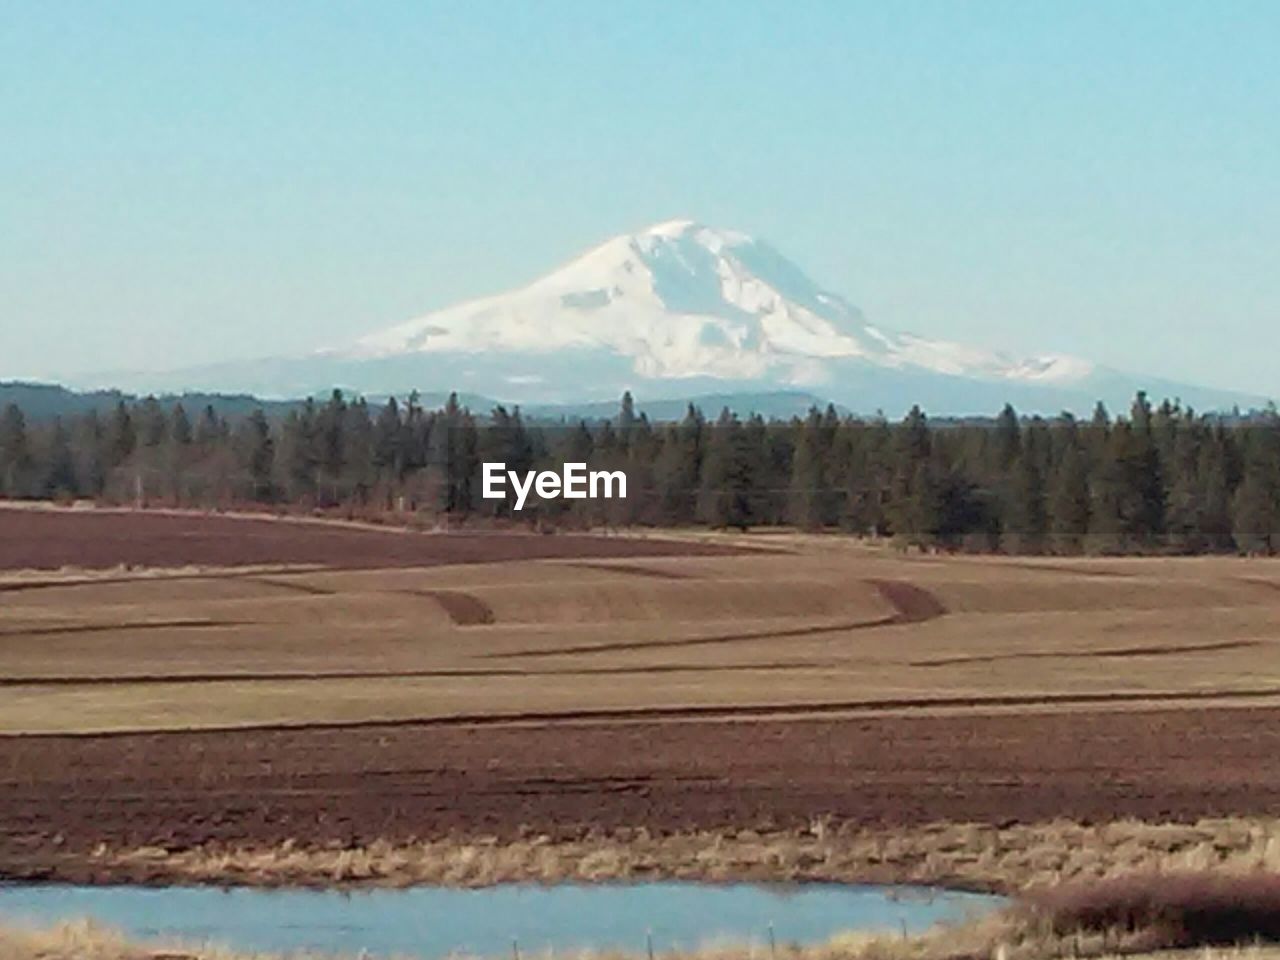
[[1156, 479]]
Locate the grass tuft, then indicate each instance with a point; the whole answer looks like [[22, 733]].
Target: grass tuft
[[1169, 910]]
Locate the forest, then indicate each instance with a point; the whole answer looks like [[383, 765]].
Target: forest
[[1155, 479]]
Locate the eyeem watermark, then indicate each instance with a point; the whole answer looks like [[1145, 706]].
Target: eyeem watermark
[[574, 482]]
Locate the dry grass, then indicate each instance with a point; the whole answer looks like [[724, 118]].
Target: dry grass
[[819, 626], [84, 940], [1174, 910], [1007, 860]]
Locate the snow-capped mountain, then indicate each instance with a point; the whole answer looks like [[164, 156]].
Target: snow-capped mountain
[[674, 312], [681, 300]]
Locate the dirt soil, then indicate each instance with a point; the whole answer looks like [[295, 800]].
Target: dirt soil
[[62, 796], [50, 539]]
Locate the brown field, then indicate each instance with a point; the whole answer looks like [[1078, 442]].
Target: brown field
[[408, 686], [50, 539]]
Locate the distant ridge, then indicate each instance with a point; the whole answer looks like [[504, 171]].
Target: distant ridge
[[42, 401]]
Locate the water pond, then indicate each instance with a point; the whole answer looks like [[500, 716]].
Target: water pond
[[431, 923]]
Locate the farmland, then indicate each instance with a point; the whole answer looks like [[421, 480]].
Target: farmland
[[175, 682]]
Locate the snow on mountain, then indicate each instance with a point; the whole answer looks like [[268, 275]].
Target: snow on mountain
[[682, 300], [675, 312]]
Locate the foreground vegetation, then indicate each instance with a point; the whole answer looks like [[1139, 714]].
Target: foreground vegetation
[[1008, 860], [1156, 479]]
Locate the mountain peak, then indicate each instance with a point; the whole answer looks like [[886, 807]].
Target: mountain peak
[[691, 232], [672, 228], [680, 300]]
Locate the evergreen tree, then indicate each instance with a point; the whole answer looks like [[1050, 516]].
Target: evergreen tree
[[180, 431], [808, 476], [626, 418], [1256, 507], [59, 474], [1008, 439], [1069, 500], [330, 433], [1144, 475], [356, 477], [641, 505], [300, 456], [866, 478], [914, 511], [1255, 522], [122, 436], [389, 443], [15, 453], [677, 473], [455, 454], [1214, 491], [89, 453], [152, 425], [1026, 522], [725, 498], [210, 431], [256, 452]]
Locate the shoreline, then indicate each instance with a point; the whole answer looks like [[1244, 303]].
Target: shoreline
[[964, 857]]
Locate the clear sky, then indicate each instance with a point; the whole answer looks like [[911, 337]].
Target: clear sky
[[186, 181]]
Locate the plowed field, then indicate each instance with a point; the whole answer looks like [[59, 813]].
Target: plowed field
[[412, 685]]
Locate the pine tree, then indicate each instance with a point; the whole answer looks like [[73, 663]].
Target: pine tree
[[89, 454], [916, 510], [15, 453], [1256, 507], [914, 504], [418, 425], [466, 494], [1180, 452], [122, 436], [1069, 501], [641, 504], [1007, 439], [59, 473], [626, 418], [1255, 519], [677, 472], [956, 513], [1026, 520], [725, 497], [455, 455], [210, 431], [356, 477], [506, 441], [300, 457], [1145, 475], [152, 425], [180, 426], [256, 455], [331, 425], [808, 476], [390, 447], [1110, 499], [1214, 496], [861, 509]]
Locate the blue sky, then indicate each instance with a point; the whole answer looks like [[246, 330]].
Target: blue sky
[[183, 182]]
